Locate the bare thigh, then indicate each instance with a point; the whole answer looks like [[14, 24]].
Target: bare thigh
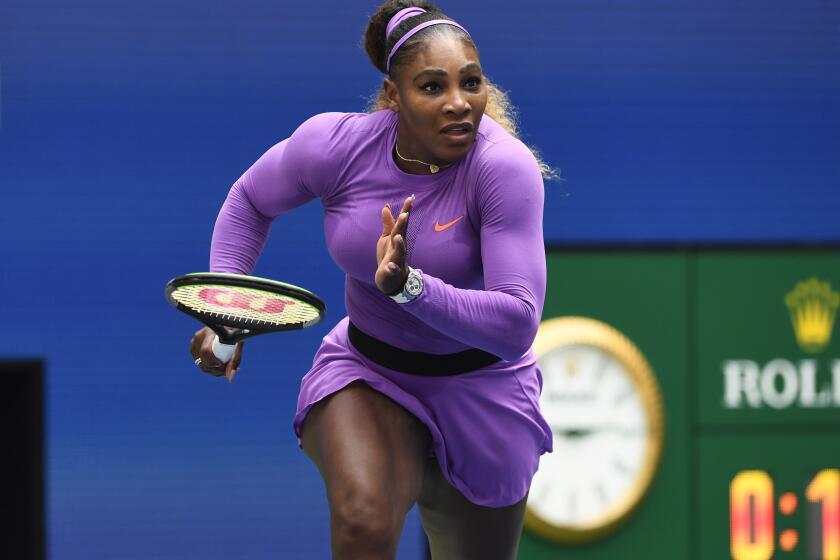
[[461, 530], [371, 454]]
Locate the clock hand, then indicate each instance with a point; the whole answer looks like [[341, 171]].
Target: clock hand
[[579, 432], [571, 433]]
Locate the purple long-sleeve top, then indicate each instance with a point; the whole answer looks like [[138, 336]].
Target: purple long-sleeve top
[[475, 230]]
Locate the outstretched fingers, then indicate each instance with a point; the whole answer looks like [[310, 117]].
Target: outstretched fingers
[[391, 248], [407, 204], [387, 220], [399, 250], [401, 224]]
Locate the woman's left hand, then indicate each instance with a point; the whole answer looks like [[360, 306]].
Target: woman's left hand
[[391, 250]]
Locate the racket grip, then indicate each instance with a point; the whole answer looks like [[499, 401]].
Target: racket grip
[[223, 351]]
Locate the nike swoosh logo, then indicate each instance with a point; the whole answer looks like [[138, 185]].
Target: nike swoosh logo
[[439, 227]]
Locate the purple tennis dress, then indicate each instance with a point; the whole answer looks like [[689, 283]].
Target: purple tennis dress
[[475, 231]]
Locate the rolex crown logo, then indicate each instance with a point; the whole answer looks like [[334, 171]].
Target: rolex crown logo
[[812, 305]]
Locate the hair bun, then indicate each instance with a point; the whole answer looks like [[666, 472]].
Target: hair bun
[[375, 40]]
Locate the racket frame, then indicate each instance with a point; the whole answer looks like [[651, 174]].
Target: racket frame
[[244, 328]]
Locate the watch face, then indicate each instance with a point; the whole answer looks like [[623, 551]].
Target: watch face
[[606, 422], [414, 284]]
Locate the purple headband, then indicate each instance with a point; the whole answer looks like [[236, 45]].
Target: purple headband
[[403, 15], [400, 17]]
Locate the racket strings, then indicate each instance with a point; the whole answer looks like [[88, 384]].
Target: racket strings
[[248, 305]]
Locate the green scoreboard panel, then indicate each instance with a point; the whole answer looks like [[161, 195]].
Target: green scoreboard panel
[[743, 346]]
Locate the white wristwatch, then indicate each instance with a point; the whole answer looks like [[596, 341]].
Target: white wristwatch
[[413, 286]]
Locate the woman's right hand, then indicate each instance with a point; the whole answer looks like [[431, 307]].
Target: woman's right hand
[[201, 346]]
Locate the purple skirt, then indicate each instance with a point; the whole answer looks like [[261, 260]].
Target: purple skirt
[[487, 430]]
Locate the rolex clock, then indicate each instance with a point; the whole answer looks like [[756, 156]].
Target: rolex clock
[[604, 407]]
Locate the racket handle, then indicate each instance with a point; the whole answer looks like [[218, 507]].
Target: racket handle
[[223, 351]]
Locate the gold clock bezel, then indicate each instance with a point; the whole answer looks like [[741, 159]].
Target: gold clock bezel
[[563, 331]]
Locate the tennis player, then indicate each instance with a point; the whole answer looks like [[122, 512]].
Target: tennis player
[[428, 392]]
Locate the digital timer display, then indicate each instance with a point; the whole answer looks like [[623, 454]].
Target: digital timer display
[[752, 515], [769, 496]]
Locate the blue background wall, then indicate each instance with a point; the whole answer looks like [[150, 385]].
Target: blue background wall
[[123, 124]]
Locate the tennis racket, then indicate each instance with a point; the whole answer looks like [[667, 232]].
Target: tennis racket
[[237, 306]]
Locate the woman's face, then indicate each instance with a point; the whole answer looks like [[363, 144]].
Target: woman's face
[[440, 97]]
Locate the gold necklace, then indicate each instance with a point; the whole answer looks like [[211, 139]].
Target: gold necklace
[[432, 167]]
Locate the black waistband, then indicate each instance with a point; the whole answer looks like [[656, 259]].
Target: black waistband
[[418, 363]]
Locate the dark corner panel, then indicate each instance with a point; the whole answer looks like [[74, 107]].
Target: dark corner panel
[[22, 465]]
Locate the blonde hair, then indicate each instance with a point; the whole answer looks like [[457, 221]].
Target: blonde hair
[[499, 108]]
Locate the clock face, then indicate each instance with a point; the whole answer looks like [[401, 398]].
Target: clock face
[[607, 425]]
